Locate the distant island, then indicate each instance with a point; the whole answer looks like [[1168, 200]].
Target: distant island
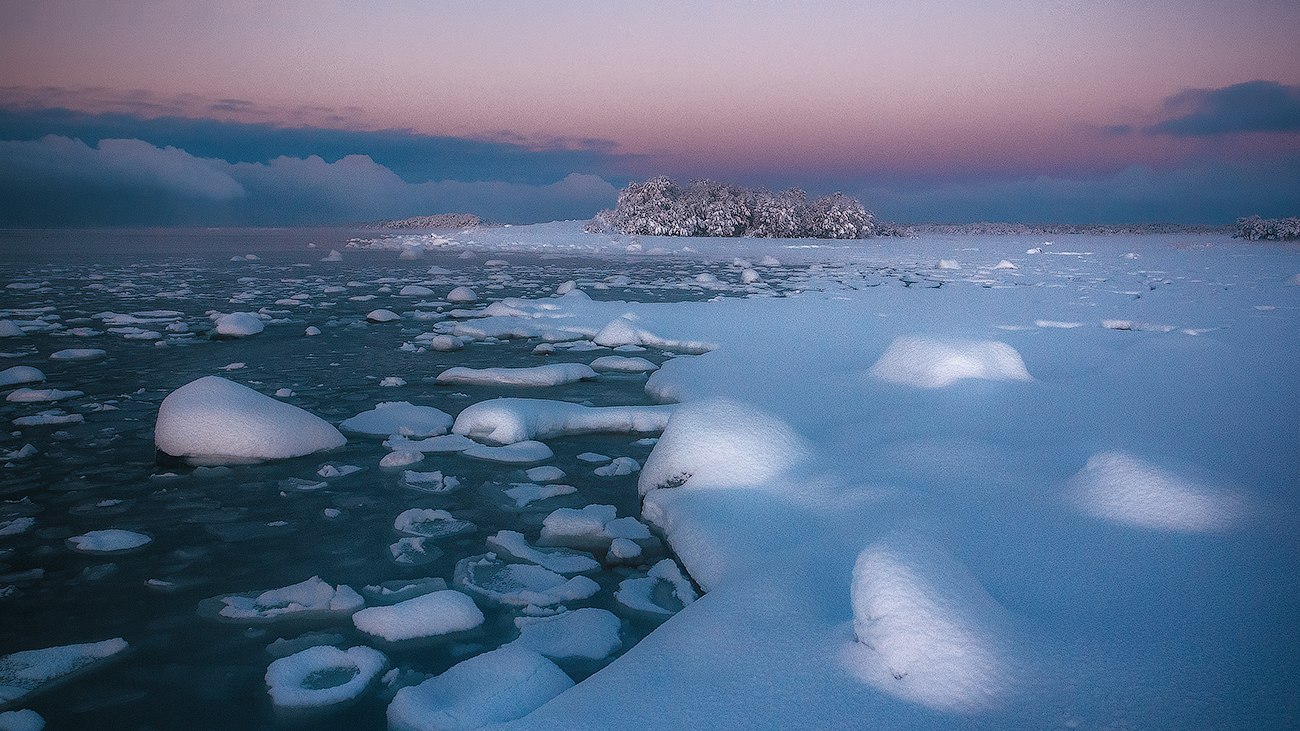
[[438, 220]]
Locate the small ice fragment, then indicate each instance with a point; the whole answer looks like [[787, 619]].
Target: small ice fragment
[[111, 540], [619, 467], [545, 473]]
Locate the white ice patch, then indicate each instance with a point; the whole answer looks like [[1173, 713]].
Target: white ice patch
[[40, 395], [399, 417], [545, 473], [498, 686], [526, 452], [213, 419], [21, 720], [431, 523], [510, 420], [239, 325], [110, 540], [926, 630], [382, 315], [622, 364], [1124, 489], [593, 528], [624, 331], [932, 363], [78, 354], [722, 443], [322, 678], [18, 375], [423, 617], [560, 560], [307, 599], [556, 374], [585, 633], [517, 584], [618, 467], [26, 672], [663, 591], [400, 458], [526, 493]]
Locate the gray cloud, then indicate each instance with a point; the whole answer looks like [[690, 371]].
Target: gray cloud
[[1252, 106], [58, 181]]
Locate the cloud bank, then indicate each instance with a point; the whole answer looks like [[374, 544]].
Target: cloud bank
[[1251, 106], [61, 181]]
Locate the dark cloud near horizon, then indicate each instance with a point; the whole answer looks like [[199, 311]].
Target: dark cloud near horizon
[[1251, 106], [414, 157]]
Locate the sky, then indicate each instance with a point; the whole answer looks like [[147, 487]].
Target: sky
[[228, 112]]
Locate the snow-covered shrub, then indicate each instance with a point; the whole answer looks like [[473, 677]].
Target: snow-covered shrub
[[658, 207], [1254, 228]]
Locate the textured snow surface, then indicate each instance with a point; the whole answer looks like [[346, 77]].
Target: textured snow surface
[[213, 419]]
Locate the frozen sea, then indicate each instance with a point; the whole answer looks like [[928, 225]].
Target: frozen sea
[[982, 481]]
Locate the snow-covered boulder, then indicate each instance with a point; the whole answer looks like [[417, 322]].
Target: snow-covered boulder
[[935, 363], [215, 420], [498, 686]]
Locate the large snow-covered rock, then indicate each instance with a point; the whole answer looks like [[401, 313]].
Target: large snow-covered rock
[[934, 363], [510, 420], [498, 686], [216, 420]]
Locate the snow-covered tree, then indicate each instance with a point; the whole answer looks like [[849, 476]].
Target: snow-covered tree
[[838, 216], [780, 215], [1254, 228]]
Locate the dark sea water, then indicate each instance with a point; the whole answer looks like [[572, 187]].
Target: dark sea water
[[247, 527]]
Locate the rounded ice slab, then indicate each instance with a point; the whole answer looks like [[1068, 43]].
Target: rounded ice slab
[[519, 585], [498, 686], [111, 540], [556, 374], [310, 599], [424, 617], [239, 325], [585, 633], [213, 420], [26, 672], [399, 417], [18, 375], [932, 363], [322, 678], [79, 354]]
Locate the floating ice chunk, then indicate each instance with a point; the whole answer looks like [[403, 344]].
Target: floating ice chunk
[[593, 458], [498, 686], [30, 671], [311, 331], [1124, 489], [586, 633], [420, 618], [750, 276], [111, 540], [926, 630], [663, 591], [431, 523], [527, 493], [239, 325], [622, 550], [517, 584], [415, 290], [233, 366], [433, 481], [933, 363], [619, 467], [526, 452], [308, 599], [623, 331], [392, 381], [382, 315], [437, 445], [51, 417], [461, 295], [560, 560], [556, 374], [399, 590], [546, 473], [21, 720], [334, 255], [10, 329], [78, 354], [570, 285], [722, 443], [18, 375], [399, 417], [16, 526], [1004, 264], [413, 551], [213, 419], [622, 364], [330, 471], [445, 343], [322, 678], [509, 420], [947, 264], [38, 395], [592, 528], [284, 392], [400, 458]]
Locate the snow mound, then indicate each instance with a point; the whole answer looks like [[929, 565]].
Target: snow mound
[[931, 363], [307, 599], [586, 633], [26, 672], [382, 315], [622, 364], [239, 325], [461, 295], [722, 443], [322, 678], [213, 419], [519, 585], [399, 417], [526, 452], [426, 616], [624, 331], [926, 630], [111, 540], [1124, 489], [560, 560], [510, 420], [498, 686], [18, 375], [556, 374]]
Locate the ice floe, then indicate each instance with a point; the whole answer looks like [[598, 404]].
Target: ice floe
[[622, 364], [519, 584], [238, 325], [423, 617], [525, 452], [109, 540], [40, 395], [79, 354], [431, 523], [556, 374], [510, 420], [618, 467], [30, 671], [18, 375], [399, 417], [309, 599], [512, 544], [322, 679], [214, 420], [592, 528], [663, 591], [581, 633], [526, 493]]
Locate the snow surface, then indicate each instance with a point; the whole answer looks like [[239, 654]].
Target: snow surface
[[429, 615], [587, 632], [214, 420], [28, 671]]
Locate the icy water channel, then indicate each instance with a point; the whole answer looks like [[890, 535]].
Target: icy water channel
[[255, 527]]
